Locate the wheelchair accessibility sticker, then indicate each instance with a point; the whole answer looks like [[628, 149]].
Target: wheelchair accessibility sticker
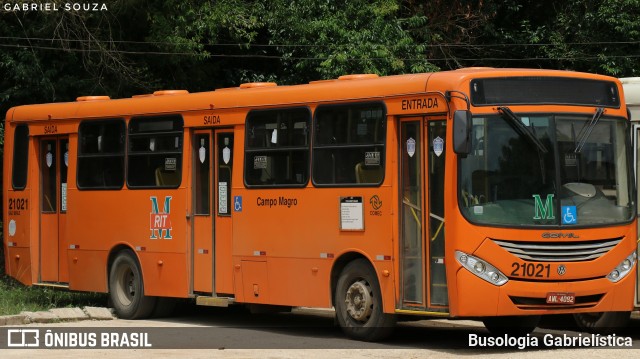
[[569, 215], [237, 203]]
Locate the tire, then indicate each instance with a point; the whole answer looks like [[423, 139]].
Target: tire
[[358, 303], [513, 325], [126, 288], [602, 322]]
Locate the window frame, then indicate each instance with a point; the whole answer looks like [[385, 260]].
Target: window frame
[[121, 154], [201, 185], [160, 133], [383, 144], [24, 161], [248, 150]]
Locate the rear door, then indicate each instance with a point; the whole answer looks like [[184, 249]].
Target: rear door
[[53, 162]]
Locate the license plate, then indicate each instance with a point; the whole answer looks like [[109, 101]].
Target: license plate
[[561, 298]]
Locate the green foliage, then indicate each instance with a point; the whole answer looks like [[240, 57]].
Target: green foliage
[[326, 39], [593, 36], [138, 46]]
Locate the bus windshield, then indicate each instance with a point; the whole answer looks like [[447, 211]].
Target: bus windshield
[[546, 170]]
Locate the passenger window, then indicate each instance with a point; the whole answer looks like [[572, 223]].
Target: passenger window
[[225, 170], [277, 148], [48, 158], [202, 167], [101, 154], [349, 144], [20, 157], [154, 158]]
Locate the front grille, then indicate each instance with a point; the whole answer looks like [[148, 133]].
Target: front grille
[[559, 252]]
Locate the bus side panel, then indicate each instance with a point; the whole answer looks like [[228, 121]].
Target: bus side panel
[[311, 276], [101, 220], [87, 270], [17, 231], [298, 239], [255, 287], [165, 274], [19, 264], [386, 278]]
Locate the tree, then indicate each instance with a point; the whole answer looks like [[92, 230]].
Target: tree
[[592, 36], [326, 39]]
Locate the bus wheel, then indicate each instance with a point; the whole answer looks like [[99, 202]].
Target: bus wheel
[[514, 325], [126, 288], [358, 304], [602, 322]]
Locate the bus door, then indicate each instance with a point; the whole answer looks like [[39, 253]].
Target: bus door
[[421, 182], [636, 155], [212, 209], [53, 162]]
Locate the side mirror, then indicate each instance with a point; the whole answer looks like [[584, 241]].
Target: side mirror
[[462, 132]]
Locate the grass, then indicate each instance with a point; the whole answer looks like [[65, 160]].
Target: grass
[[15, 298]]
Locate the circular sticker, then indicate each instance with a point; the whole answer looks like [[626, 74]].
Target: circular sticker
[[12, 228]]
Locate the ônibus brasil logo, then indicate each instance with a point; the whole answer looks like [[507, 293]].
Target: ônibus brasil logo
[[160, 222]]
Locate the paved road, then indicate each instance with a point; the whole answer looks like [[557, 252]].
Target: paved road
[[233, 333]]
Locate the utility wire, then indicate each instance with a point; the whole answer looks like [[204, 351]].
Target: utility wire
[[277, 57], [316, 45]]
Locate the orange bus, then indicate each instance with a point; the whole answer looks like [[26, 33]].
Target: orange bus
[[498, 194], [631, 87]]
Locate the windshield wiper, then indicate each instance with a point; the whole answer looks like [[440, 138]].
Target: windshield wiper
[[523, 130], [586, 130]]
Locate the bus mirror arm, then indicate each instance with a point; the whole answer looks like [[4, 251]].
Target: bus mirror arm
[[448, 95], [462, 132]]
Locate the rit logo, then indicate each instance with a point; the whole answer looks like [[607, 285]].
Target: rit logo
[[160, 222]]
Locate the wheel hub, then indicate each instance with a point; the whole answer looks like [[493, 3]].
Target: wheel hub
[[359, 301], [131, 287], [125, 289]]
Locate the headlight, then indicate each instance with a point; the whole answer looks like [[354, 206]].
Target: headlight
[[481, 269], [623, 268]]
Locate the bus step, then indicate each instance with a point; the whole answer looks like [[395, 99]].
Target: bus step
[[52, 285], [214, 301]]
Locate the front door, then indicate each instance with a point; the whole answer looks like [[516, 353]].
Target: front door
[[53, 162], [412, 195], [636, 162], [212, 169], [435, 164], [421, 185]]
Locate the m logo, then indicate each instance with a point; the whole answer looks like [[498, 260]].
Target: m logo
[[543, 210], [160, 222]]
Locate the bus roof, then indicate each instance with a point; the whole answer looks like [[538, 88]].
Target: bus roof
[[345, 88]]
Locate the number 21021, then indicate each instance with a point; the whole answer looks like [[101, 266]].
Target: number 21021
[[19, 204], [530, 270]]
